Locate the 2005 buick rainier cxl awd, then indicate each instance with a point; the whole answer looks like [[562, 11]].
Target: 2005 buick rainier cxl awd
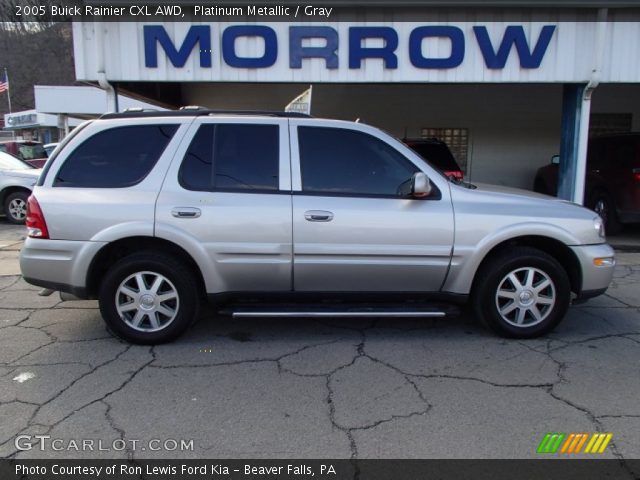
[[275, 214]]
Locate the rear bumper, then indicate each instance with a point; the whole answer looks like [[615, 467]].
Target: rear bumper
[[58, 264], [79, 292], [595, 279]]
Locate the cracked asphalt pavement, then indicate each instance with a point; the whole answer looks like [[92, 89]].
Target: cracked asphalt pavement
[[294, 388]]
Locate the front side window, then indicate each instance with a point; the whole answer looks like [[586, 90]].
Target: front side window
[[340, 161], [115, 158], [232, 157]]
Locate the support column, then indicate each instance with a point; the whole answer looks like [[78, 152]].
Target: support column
[[63, 126], [576, 108]]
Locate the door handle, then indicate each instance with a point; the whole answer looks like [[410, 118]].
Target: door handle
[[186, 212], [318, 216]]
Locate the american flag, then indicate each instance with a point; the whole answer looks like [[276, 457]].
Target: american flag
[[4, 83]]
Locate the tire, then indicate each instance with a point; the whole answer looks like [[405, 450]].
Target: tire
[[161, 314], [526, 312], [601, 202], [15, 207]]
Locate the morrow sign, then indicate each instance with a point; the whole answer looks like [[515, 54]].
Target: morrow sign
[[198, 41], [354, 52]]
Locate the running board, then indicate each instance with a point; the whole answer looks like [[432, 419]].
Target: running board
[[339, 314], [336, 313]]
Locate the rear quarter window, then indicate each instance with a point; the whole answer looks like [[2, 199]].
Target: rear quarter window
[[115, 158]]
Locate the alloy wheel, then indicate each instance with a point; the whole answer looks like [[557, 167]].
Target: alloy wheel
[[525, 297], [147, 301], [18, 209]]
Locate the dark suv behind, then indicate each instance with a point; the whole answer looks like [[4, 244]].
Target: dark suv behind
[[437, 153], [613, 179]]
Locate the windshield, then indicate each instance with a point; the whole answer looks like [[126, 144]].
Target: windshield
[[50, 148], [9, 162]]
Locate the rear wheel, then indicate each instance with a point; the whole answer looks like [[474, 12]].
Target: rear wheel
[[524, 293], [15, 207], [148, 298]]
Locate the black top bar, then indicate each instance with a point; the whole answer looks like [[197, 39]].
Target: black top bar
[[415, 3], [199, 112]]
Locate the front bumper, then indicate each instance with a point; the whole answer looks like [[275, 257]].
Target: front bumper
[[595, 279], [58, 264]]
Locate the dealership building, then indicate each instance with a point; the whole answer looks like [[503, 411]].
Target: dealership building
[[507, 85]]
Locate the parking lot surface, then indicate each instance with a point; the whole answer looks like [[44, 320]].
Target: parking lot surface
[[286, 388]]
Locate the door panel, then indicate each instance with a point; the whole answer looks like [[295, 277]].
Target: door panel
[[379, 242], [246, 235], [371, 244]]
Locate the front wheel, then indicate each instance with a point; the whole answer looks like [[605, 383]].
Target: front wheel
[[148, 298], [15, 207], [523, 293]]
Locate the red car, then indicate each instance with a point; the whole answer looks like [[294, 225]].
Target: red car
[[612, 183], [31, 152], [437, 154]]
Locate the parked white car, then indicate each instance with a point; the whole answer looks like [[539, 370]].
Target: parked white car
[[17, 179]]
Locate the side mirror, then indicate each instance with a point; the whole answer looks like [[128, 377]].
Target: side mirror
[[418, 186], [555, 160]]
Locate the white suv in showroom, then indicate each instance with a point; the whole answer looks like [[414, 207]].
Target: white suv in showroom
[[280, 214]]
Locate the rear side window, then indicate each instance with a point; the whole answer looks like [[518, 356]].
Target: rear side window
[[232, 157], [115, 158]]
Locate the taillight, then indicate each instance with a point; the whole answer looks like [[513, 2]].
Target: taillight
[[636, 174], [35, 223], [456, 174]]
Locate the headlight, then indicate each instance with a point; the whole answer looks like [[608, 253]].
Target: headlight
[[598, 224]]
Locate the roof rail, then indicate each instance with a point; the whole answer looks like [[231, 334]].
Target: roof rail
[[193, 107], [139, 109], [199, 112]]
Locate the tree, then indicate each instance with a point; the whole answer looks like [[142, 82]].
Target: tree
[[34, 53]]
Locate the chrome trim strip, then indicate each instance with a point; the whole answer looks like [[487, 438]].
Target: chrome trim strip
[[338, 314]]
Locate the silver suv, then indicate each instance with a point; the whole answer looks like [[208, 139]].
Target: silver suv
[[274, 214]]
